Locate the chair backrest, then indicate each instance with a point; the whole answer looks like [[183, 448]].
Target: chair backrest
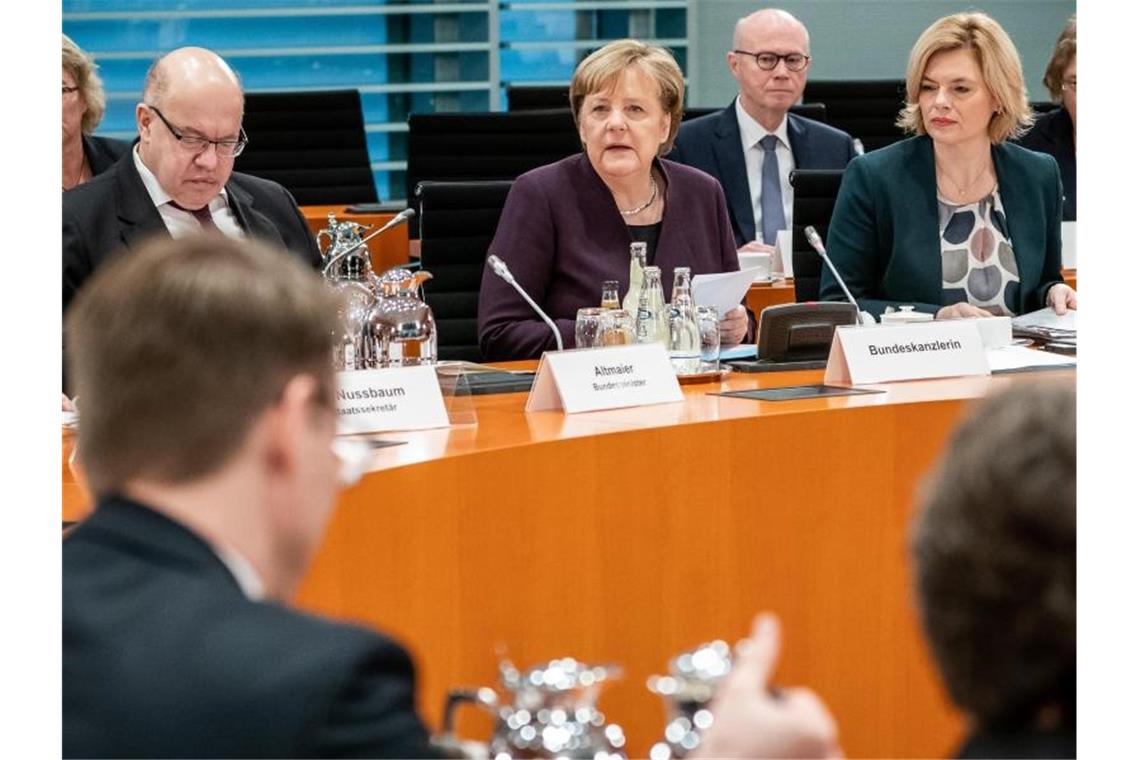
[[313, 143], [812, 204], [865, 109], [457, 224], [532, 97], [453, 147]]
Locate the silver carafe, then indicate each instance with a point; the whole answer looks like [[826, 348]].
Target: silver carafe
[[552, 713], [688, 690], [400, 329], [348, 270]]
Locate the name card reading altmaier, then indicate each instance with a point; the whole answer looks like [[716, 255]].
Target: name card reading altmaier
[[402, 398], [590, 379], [917, 351]]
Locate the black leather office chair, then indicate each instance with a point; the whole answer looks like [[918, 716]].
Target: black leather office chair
[[812, 204], [313, 143], [457, 223], [453, 147], [865, 109], [531, 97]]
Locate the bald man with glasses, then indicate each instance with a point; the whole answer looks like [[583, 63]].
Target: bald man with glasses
[[178, 180], [753, 145]]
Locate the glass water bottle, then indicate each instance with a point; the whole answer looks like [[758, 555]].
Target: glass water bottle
[[637, 257], [684, 336]]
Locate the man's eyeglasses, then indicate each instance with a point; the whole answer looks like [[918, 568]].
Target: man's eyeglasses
[[195, 144], [768, 61], [1069, 84]]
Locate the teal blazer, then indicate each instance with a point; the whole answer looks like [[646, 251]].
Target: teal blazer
[[884, 238]]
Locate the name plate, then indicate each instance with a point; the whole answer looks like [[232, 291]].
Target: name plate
[[919, 351], [401, 398], [590, 379]]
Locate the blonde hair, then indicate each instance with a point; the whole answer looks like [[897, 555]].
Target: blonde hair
[[86, 74], [599, 71], [997, 58], [1063, 53]]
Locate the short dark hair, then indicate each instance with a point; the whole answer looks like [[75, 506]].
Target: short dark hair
[[178, 346], [994, 545]]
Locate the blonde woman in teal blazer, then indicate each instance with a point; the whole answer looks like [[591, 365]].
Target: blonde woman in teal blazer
[[954, 221]]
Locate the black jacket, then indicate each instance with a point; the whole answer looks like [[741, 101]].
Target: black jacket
[[164, 656], [1052, 133], [102, 152]]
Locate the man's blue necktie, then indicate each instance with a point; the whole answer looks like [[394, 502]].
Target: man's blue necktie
[[771, 192]]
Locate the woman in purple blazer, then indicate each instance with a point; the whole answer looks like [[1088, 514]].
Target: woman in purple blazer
[[567, 226]]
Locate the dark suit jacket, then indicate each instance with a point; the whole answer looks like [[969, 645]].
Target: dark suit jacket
[[711, 143], [164, 656], [103, 152], [884, 238], [561, 235], [113, 212], [1052, 133]]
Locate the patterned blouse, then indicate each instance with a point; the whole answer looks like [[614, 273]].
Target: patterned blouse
[[977, 258]]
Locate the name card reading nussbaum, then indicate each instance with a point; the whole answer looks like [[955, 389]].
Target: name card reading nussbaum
[[590, 379], [917, 351], [401, 398]]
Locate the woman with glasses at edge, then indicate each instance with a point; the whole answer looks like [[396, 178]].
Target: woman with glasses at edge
[[955, 221], [84, 154], [1055, 132]]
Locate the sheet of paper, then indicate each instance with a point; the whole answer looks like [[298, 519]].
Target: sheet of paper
[[1047, 318], [722, 291], [1020, 357], [1069, 245]]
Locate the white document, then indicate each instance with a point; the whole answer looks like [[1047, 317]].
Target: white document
[[723, 291], [1020, 357], [784, 249], [1047, 318], [1069, 245]]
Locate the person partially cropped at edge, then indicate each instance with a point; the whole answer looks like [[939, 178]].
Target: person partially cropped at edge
[[208, 422], [84, 102], [567, 226], [956, 221], [1055, 132]]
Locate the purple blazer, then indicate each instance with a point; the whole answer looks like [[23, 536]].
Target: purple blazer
[[561, 235]]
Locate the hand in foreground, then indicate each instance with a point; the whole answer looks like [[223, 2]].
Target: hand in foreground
[[733, 326], [748, 721], [1061, 298], [961, 310], [755, 246]]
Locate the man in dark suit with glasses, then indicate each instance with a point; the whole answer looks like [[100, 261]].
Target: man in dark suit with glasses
[[179, 178], [753, 145]]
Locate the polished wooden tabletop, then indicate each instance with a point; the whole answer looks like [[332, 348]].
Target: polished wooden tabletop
[[631, 535]]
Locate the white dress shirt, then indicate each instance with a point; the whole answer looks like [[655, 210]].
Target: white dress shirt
[[751, 133], [182, 223], [243, 572]]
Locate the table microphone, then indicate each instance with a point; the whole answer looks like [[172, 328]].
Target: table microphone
[[500, 268], [817, 244]]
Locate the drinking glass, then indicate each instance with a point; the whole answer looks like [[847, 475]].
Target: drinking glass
[[708, 325], [617, 328], [588, 327]]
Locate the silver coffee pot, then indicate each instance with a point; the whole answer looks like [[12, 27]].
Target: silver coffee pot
[[348, 270], [553, 714], [400, 328], [688, 690]]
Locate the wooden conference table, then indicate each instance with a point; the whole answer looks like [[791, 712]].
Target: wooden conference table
[[631, 535]]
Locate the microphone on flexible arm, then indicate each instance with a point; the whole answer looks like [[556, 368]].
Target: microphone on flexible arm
[[399, 218], [500, 268], [817, 243]]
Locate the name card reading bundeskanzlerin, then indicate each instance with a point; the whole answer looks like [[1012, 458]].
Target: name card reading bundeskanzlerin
[[401, 398], [918, 351], [590, 379]]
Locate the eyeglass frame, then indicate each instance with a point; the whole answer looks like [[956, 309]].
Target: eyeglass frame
[[1069, 85], [756, 57], [239, 144], [68, 89]]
